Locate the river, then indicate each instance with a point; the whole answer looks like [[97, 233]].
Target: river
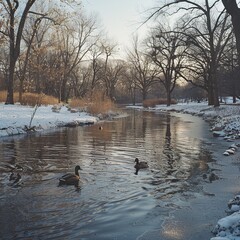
[[177, 197]]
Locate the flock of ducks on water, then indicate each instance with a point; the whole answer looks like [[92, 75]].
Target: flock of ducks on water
[[69, 178], [73, 178]]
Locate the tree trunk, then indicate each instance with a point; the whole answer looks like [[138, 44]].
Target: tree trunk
[[210, 96], [20, 93], [216, 102], [234, 99], [10, 99], [14, 48], [168, 91], [144, 94], [12, 57], [232, 8], [168, 98]]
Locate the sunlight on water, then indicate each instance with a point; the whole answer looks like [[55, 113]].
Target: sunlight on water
[[111, 201]]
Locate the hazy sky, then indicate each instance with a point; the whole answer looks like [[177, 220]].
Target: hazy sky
[[120, 18]]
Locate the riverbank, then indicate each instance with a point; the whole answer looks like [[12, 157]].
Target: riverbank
[[224, 120], [225, 124], [17, 119]]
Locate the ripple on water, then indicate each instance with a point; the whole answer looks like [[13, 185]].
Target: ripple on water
[[111, 201]]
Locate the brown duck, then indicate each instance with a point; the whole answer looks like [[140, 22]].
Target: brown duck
[[70, 178]]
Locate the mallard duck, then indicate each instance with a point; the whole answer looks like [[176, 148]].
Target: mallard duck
[[70, 178], [140, 165]]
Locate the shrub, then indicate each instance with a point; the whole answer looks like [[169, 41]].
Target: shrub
[[156, 101], [94, 104], [78, 103]]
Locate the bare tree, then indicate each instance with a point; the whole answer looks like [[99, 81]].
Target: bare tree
[[211, 21], [229, 72], [76, 42], [96, 53], [167, 52], [113, 74], [143, 71], [34, 37], [80, 82], [205, 53], [14, 33]]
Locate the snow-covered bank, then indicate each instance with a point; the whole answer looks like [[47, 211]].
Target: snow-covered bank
[[224, 120], [225, 124], [15, 119], [229, 226]]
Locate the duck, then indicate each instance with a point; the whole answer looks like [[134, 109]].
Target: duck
[[140, 165], [70, 178], [14, 178]]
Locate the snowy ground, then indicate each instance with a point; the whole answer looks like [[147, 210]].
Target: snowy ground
[[225, 123], [15, 119], [224, 120]]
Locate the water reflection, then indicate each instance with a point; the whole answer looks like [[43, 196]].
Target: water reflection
[[168, 151], [109, 190]]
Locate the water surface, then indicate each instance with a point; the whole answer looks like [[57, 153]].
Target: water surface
[[111, 201]]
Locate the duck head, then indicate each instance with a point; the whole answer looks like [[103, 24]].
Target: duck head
[[136, 160], [77, 168]]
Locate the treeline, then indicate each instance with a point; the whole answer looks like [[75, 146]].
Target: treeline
[[56, 48]]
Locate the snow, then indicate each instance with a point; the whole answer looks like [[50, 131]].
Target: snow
[[228, 227], [15, 119]]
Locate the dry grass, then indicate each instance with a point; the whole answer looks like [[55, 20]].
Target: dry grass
[[95, 104], [3, 96], [156, 101], [79, 103], [30, 99]]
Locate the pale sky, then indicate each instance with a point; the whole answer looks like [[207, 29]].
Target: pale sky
[[120, 18]]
